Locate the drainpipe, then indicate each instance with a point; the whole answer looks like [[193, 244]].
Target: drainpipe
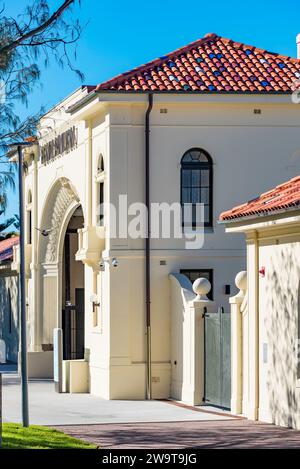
[[147, 245], [256, 400]]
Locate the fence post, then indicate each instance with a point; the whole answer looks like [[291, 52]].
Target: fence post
[[237, 343], [195, 356]]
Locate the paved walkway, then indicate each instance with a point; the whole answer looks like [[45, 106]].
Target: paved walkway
[[208, 434], [139, 424], [50, 408]]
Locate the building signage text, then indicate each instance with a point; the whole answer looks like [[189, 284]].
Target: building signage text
[[62, 143]]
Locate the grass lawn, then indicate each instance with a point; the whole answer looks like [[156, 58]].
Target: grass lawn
[[35, 437]]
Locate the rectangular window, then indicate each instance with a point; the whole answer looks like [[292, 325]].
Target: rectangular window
[[9, 311], [193, 274], [101, 202], [195, 189], [29, 227]]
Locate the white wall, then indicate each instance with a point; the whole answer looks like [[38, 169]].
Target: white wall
[[247, 150], [279, 309]]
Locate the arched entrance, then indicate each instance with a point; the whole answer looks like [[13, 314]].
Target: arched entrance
[[73, 292], [61, 277]]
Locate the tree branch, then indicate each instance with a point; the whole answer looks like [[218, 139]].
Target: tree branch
[[33, 32]]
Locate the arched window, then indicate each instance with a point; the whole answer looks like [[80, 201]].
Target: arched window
[[196, 184], [29, 198], [100, 165]]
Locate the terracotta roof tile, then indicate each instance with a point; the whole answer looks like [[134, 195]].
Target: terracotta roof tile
[[212, 63], [6, 248], [284, 196]]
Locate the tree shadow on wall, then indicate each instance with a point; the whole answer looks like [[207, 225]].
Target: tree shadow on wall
[[281, 323]]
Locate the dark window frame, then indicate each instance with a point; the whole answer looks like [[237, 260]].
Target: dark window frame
[[210, 295], [10, 314], [201, 166], [100, 215]]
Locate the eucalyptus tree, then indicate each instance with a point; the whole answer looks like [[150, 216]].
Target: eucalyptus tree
[[28, 41]]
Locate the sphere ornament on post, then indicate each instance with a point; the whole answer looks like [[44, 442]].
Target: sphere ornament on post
[[201, 287], [241, 282]]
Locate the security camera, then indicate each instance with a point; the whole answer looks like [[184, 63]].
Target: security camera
[[114, 262]]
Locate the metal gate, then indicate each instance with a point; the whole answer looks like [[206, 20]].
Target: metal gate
[[73, 328], [217, 387]]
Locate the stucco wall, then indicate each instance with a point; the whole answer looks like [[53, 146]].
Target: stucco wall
[[245, 147], [279, 312]]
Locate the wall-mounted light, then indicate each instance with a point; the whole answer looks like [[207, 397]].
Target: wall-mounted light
[[95, 301], [113, 262]]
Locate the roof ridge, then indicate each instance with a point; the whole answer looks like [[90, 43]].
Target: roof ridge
[[212, 63], [260, 49], [208, 37]]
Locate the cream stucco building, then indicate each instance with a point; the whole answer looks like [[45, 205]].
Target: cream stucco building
[[266, 311], [120, 138]]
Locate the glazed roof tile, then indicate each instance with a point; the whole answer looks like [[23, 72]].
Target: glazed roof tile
[[212, 64]]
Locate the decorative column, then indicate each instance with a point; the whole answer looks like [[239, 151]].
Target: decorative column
[[193, 343], [253, 324], [36, 310], [237, 343]]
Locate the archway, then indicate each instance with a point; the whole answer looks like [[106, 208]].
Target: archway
[[73, 291], [61, 217]]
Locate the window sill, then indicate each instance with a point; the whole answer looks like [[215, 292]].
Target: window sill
[[207, 229]]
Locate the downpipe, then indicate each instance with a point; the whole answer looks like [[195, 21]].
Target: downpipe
[[147, 246]]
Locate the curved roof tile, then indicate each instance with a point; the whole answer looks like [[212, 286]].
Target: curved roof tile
[[212, 64]]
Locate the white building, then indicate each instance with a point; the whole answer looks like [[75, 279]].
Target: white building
[[229, 103], [266, 312]]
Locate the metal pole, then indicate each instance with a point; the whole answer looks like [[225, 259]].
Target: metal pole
[[23, 342]]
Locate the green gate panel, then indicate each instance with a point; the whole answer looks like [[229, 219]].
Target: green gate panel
[[212, 359], [217, 359]]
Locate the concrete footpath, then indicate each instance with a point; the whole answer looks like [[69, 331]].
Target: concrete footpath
[[139, 424], [50, 408]]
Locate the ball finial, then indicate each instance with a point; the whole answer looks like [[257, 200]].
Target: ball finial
[[241, 280], [201, 287]]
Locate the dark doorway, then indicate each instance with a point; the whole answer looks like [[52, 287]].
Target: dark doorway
[[73, 293]]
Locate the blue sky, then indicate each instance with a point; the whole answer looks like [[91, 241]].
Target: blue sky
[[120, 35]]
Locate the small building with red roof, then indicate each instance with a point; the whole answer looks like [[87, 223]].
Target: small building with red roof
[[265, 332], [9, 307]]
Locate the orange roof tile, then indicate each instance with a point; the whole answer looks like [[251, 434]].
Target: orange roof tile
[[284, 196], [6, 248], [212, 64]]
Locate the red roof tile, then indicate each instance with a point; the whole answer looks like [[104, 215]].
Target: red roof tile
[[214, 64], [6, 248], [284, 196]]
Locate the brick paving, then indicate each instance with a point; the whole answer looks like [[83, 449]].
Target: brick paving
[[203, 434]]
